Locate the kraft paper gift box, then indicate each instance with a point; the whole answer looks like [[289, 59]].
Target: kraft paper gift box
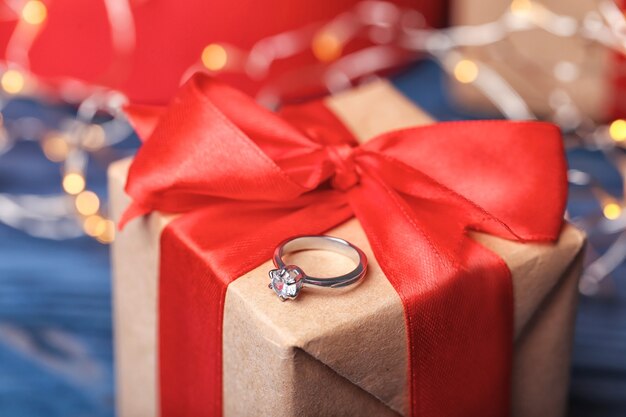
[[532, 59], [340, 355]]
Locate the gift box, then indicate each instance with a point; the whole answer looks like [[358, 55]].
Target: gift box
[[537, 63], [327, 354]]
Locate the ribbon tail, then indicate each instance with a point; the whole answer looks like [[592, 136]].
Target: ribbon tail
[[458, 313], [134, 210]]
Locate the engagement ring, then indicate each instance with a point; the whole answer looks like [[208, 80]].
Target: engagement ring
[[287, 280]]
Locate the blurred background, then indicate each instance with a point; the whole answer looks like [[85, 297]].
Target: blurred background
[[68, 67]]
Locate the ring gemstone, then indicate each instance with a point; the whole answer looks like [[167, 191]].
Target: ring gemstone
[[286, 282]]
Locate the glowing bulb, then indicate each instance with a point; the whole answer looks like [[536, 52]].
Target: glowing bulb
[[108, 234], [214, 57], [87, 203], [617, 130], [326, 47], [466, 71], [612, 211], [94, 225], [55, 147], [34, 12], [12, 81], [521, 6], [73, 183]]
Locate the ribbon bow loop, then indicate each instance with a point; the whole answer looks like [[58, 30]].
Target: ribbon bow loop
[[509, 178], [214, 142]]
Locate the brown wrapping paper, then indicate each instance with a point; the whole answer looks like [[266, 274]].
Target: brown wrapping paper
[[343, 354], [532, 58]]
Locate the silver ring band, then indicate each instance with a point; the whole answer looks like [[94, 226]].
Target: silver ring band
[[288, 280]]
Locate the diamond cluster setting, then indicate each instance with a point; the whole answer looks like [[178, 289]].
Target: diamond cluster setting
[[286, 282]]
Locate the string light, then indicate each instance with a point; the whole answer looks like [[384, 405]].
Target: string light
[[214, 57], [466, 71], [67, 148], [617, 130], [87, 203], [12, 81], [34, 12], [73, 183], [326, 47]]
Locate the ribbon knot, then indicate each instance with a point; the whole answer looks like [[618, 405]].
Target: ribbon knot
[[346, 170]]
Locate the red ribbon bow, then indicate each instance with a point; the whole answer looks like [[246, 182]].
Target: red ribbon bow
[[247, 178]]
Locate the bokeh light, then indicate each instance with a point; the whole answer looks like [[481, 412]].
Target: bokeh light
[[73, 183], [55, 147], [617, 130], [612, 211], [34, 12], [108, 234], [12, 81], [326, 47], [94, 225], [214, 57], [466, 71], [521, 6], [87, 203]]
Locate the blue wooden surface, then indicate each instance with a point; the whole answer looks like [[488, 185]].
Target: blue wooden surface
[[55, 312]]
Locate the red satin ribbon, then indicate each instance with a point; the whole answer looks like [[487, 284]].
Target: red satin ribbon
[[247, 178]]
